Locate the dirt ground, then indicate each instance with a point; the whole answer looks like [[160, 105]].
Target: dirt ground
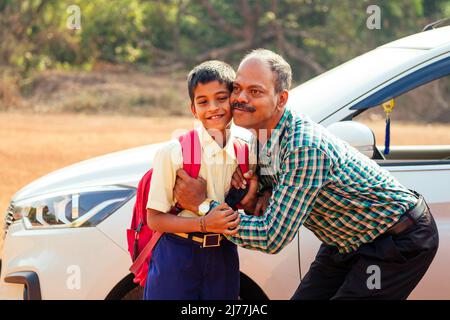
[[34, 145]]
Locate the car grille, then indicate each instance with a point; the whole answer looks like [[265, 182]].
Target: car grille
[[9, 219]]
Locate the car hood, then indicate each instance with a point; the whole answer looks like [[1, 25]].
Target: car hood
[[124, 167]]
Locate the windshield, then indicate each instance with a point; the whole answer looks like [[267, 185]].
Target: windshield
[[336, 88]]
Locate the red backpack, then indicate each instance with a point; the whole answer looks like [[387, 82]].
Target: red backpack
[[141, 239]]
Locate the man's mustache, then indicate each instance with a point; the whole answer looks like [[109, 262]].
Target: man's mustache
[[242, 106]]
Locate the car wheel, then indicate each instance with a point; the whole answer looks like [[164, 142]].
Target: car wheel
[[134, 294]]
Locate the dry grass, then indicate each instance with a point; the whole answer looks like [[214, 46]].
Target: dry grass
[[34, 145], [101, 91]]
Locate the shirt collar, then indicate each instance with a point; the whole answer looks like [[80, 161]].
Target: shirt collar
[[275, 136], [210, 146]]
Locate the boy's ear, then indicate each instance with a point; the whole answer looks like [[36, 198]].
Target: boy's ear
[[194, 112]]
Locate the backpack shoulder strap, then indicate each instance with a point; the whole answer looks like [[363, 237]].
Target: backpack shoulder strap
[[191, 149], [241, 151], [140, 260], [192, 152], [140, 210]]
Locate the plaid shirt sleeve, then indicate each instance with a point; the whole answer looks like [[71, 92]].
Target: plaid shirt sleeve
[[303, 172]]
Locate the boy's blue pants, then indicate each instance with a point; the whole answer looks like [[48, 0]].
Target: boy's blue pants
[[181, 270]]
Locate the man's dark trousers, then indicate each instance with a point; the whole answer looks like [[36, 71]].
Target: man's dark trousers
[[400, 260]]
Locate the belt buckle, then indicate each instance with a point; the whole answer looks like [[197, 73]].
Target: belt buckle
[[215, 239]]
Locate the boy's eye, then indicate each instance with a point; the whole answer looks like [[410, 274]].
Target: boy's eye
[[224, 98]]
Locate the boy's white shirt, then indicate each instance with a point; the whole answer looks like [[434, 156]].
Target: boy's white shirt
[[217, 166]]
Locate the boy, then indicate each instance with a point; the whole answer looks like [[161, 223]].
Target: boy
[[180, 267]]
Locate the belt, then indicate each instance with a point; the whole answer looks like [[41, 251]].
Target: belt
[[409, 218], [206, 240]]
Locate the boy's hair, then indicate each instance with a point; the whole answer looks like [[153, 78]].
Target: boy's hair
[[208, 71]]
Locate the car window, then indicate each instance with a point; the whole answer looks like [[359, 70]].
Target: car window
[[315, 96], [421, 117]]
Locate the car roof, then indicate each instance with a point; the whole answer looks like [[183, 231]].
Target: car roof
[[423, 40]]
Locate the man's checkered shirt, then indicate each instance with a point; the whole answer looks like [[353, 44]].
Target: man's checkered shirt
[[320, 181]]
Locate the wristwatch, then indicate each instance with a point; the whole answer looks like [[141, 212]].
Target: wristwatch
[[204, 207]]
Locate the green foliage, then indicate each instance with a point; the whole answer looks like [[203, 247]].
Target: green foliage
[[314, 35]]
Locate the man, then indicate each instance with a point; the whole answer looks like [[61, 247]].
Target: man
[[361, 213]]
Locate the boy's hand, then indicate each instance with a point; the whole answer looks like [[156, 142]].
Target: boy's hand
[[262, 203], [251, 198], [237, 180], [189, 192], [222, 219]]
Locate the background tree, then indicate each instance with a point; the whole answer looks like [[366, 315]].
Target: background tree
[[157, 36]]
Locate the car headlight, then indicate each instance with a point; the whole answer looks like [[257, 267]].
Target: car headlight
[[84, 207]]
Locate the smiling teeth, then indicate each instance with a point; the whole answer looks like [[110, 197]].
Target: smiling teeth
[[215, 117]]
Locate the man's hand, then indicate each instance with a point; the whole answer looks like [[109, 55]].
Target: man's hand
[[222, 219], [189, 192]]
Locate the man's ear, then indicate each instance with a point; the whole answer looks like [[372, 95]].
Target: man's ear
[[193, 110], [283, 97]]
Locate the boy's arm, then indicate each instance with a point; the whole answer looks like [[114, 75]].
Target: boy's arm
[[166, 222], [161, 199], [167, 160], [220, 220]]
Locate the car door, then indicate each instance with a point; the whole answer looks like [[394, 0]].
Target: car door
[[425, 169], [432, 180]]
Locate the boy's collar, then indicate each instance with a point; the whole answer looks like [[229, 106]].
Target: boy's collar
[[210, 146]]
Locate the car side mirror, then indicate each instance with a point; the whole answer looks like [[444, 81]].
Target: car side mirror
[[356, 134]]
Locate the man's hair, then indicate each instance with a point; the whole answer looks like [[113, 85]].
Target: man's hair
[[208, 71], [279, 66]]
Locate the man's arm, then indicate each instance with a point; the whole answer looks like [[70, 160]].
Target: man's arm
[[304, 172]]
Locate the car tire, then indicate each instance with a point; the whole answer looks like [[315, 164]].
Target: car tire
[[128, 290]]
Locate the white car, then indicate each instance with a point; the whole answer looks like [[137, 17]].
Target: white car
[[65, 232]]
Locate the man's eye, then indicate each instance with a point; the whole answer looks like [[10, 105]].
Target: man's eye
[[255, 92], [236, 89]]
